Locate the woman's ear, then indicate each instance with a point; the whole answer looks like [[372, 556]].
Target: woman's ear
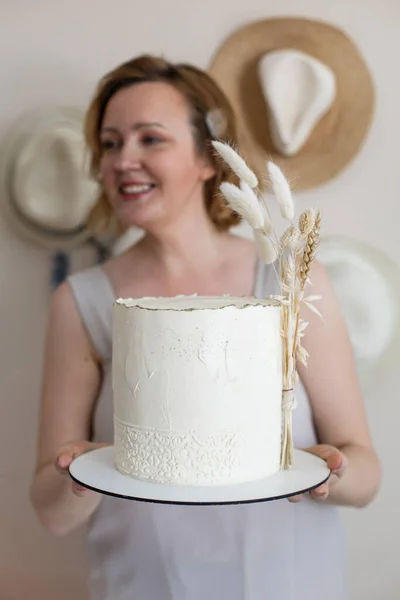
[[208, 170]]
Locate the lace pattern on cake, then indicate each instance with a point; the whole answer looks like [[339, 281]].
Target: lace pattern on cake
[[176, 457]]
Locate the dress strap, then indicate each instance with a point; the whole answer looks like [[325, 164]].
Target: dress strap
[[94, 297], [267, 281]]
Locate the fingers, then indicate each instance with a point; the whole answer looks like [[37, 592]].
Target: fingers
[[63, 461], [321, 492], [336, 462], [340, 468], [68, 453], [331, 455], [78, 489], [295, 499]]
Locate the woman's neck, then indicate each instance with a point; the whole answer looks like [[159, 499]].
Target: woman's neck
[[191, 244]]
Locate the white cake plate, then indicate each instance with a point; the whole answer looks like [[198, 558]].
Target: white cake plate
[[95, 470]]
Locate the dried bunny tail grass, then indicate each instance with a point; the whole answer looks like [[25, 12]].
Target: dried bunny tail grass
[[254, 201], [306, 221], [289, 238], [244, 202], [236, 163], [265, 247], [281, 190], [267, 216], [310, 250]]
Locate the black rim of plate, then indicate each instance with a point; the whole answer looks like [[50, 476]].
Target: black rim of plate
[[199, 503]]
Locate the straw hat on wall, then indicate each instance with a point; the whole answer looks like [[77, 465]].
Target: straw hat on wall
[[303, 95]]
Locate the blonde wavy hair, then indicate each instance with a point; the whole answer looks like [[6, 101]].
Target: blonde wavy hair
[[203, 96]]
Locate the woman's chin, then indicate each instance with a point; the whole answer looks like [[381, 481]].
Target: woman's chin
[[142, 219]]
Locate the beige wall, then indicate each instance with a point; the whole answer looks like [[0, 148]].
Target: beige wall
[[53, 52]]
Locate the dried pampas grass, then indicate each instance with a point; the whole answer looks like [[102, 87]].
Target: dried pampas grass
[[295, 251]]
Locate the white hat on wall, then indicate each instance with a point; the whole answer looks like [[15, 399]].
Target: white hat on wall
[[367, 283], [46, 193]]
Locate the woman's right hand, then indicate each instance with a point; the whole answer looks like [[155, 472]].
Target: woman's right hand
[[67, 454]]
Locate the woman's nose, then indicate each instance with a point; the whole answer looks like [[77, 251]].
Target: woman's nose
[[129, 157]]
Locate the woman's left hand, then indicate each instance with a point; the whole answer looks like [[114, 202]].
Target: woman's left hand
[[337, 463]]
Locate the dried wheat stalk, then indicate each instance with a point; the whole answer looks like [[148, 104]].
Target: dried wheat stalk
[[295, 251], [311, 248]]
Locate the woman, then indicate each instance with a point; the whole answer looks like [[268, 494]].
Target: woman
[[150, 146]]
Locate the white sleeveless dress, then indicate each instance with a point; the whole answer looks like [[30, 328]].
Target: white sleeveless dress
[[268, 551]]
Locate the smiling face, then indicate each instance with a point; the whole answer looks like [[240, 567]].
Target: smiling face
[[150, 168]]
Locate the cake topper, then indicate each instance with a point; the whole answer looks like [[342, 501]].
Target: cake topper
[[291, 256]]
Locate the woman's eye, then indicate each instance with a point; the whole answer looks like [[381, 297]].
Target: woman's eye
[[151, 140], [109, 144]]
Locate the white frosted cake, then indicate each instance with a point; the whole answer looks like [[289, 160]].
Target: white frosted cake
[[197, 389]]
